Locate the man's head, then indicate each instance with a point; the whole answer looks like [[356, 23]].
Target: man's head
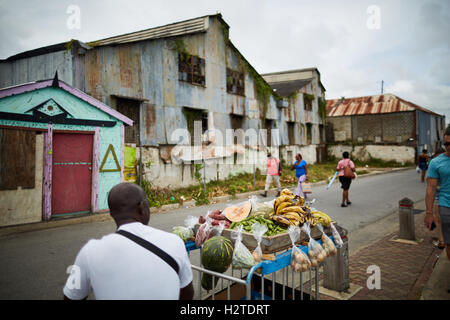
[[269, 154], [447, 140], [345, 155], [127, 202]]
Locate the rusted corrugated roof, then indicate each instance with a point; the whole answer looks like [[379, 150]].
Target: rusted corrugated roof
[[383, 103]]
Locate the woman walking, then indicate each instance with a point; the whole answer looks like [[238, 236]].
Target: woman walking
[[437, 217], [345, 178], [422, 161], [301, 172]]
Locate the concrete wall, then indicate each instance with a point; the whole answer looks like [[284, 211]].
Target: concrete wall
[[24, 205], [401, 154]]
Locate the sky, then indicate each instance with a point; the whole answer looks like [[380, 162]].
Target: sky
[[354, 44]]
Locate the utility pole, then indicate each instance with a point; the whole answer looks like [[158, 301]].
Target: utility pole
[[382, 82]]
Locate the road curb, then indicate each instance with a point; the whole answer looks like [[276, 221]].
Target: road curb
[[105, 216]]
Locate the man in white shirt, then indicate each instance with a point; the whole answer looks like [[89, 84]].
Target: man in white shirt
[[117, 268]]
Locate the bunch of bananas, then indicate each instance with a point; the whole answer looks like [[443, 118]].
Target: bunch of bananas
[[322, 218], [288, 211]]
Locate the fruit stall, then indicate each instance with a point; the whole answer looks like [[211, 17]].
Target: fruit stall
[[248, 245]]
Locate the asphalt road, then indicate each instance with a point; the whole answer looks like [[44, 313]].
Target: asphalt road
[[33, 264]]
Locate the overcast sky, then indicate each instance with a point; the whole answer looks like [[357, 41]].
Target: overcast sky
[[354, 44]]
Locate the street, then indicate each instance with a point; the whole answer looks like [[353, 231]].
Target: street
[[34, 264]]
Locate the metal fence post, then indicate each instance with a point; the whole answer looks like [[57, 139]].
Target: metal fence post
[[406, 219]]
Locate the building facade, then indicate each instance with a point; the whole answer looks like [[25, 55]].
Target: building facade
[[382, 126], [184, 84]]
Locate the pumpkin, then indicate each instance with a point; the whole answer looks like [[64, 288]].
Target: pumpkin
[[238, 213], [217, 254]]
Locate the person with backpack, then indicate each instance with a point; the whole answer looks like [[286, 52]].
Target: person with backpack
[[273, 173], [346, 169]]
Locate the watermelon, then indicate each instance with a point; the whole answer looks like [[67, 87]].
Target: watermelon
[[217, 254]]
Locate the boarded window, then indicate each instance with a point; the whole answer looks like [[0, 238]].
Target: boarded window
[[191, 69], [131, 109], [17, 158], [235, 82], [308, 133]]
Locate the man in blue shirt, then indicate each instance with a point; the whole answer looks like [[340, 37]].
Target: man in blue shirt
[[439, 173]]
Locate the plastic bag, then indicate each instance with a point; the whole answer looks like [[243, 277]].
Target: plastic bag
[[186, 232], [327, 243], [337, 237], [219, 228], [242, 258], [299, 260], [204, 232], [316, 252], [417, 169], [258, 231]]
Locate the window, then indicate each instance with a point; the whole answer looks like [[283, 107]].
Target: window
[[291, 132], [308, 133], [191, 69], [308, 100], [235, 82], [193, 116], [17, 158], [131, 109]]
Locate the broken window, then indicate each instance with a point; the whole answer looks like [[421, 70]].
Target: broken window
[[191, 69], [196, 118], [17, 158], [308, 133], [291, 132], [131, 109], [235, 82], [308, 100]]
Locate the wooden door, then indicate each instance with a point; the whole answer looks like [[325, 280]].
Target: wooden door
[[72, 173]]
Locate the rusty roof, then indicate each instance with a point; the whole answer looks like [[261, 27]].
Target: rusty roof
[[382, 103]]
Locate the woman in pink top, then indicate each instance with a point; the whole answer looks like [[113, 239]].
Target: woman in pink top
[[273, 173], [345, 182]]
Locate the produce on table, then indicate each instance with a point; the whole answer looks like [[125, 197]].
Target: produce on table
[[212, 221], [217, 255], [262, 210], [242, 257], [272, 228], [184, 233], [322, 217], [239, 212], [289, 212], [300, 262]]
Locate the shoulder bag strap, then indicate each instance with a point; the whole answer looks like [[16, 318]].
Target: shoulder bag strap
[[151, 247]]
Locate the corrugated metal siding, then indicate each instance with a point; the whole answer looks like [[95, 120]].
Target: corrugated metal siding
[[171, 30]]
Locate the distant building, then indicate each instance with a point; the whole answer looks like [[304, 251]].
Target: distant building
[[304, 95], [384, 122]]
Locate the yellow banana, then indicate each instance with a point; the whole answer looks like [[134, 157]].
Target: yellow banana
[[280, 200], [292, 208], [301, 202], [283, 205], [292, 215], [281, 220], [286, 192]]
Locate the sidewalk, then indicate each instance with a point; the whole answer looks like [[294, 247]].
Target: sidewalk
[[407, 269]]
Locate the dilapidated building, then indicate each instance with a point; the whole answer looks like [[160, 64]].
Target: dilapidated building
[[382, 126], [185, 76]]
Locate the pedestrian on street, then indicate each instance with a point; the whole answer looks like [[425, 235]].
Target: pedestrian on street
[[439, 173], [301, 172], [346, 169], [138, 262], [422, 162], [437, 218], [273, 173]]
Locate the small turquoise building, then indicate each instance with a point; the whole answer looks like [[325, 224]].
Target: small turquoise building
[[61, 151]]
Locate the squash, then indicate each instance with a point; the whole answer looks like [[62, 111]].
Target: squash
[[238, 213]]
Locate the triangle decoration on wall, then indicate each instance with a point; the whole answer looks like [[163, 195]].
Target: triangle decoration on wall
[[110, 153]]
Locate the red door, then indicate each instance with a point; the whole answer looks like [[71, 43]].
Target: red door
[[72, 173]]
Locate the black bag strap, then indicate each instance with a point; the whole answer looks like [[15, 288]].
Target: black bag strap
[[151, 247]]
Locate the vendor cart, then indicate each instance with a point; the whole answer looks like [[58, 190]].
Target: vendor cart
[[260, 282]]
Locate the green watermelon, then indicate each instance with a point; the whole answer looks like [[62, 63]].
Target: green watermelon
[[217, 254]]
